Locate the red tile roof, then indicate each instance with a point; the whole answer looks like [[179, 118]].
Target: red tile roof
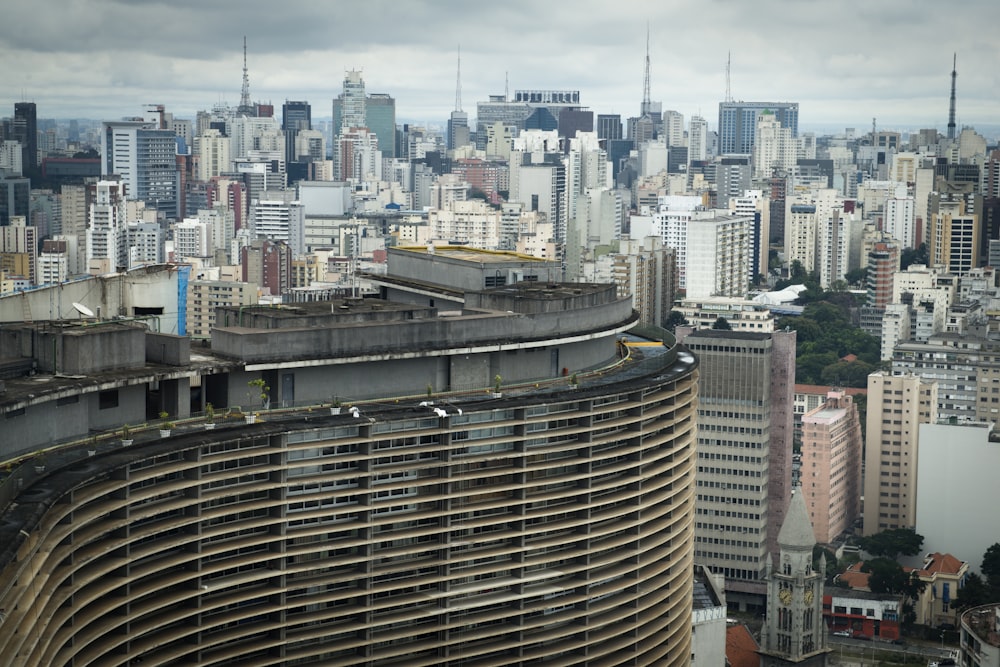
[[854, 577], [941, 563], [741, 647]]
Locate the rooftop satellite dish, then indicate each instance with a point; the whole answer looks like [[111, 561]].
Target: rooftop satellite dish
[[83, 310]]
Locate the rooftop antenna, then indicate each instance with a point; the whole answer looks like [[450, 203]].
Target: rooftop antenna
[[729, 61], [458, 82], [245, 105], [951, 106], [506, 87]]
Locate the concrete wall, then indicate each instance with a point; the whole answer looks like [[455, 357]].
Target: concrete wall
[[410, 377], [319, 343], [88, 350], [153, 287], [464, 273], [168, 349], [41, 425], [957, 492]]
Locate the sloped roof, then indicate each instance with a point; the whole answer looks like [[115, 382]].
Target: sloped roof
[[939, 563], [854, 577], [797, 532], [741, 648]]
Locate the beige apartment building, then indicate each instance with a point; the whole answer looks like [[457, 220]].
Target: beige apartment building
[[897, 404], [831, 465], [204, 296]]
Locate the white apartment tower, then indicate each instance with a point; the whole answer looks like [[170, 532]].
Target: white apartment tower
[[670, 223], [192, 238], [213, 154], [107, 248], [697, 139], [673, 127], [774, 147], [900, 220], [353, 99], [719, 251]]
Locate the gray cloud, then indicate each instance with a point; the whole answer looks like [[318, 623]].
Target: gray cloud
[[844, 62]]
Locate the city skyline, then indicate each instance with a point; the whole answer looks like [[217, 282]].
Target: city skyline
[[886, 62]]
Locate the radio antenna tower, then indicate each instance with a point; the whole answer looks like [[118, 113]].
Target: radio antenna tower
[[951, 107], [245, 105], [646, 104], [458, 82], [729, 60]]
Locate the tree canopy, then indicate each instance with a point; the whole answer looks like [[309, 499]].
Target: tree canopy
[[825, 335], [887, 576], [892, 543], [722, 323]]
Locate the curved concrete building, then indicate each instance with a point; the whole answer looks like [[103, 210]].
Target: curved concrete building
[[550, 524]]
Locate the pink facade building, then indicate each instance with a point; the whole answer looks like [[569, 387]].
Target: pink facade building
[[831, 465]]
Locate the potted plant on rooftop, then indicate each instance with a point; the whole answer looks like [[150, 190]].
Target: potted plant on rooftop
[[497, 381], [209, 416], [334, 406], [126, 434], [167, 426]]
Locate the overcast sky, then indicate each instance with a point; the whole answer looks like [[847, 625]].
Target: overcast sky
[[845, 61]]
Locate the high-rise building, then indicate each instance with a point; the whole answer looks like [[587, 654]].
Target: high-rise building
[[145, 243], [646, 270], [295, 116], [745, 427], [267, 264], [519, 525], [15, 198], [954, 237], [773, 148], [146, 159], [697, 139], [350, 103], [883, 262], [831, 465], [107, 241], [738, 123], [53, 262], [20, 238], [720, 250], [353, 110], [205, 296], [897, 405], [609, 126], [214, 157], [26, 131], [380, 119]]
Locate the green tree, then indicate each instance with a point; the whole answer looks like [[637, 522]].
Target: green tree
[[974, 592], [885, 575], [807, 329], [914, 256], [722, 323], [893, 542], [857, 276], [847, 374], [675, 319], [888, 576], [809, 367], [991, 566], [831, 562]]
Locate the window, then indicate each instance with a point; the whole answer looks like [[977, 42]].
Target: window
[[107, 399]]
